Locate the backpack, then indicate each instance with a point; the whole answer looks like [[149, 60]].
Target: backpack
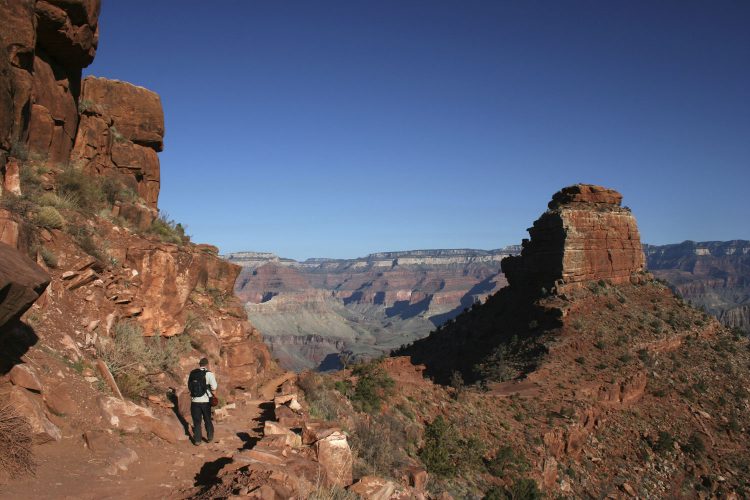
[[197, 383]]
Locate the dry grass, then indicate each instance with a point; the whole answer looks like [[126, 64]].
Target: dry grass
[[16, 456]]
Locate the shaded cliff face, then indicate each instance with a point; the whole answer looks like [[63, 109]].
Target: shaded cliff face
[[310, 311], [711, 274], [103, 278]]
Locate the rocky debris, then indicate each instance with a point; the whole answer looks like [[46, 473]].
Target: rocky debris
[[584, 236], [129, 417], [22, 282], [374, 488], [335, 456]]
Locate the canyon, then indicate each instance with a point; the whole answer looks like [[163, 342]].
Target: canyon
[[313, 311]]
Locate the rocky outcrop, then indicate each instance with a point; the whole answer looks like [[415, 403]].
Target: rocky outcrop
[[585, 235], [48, 44], [121, 130], [21, 283]]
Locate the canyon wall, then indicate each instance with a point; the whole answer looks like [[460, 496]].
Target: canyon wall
[[310, 311], [714, 275]]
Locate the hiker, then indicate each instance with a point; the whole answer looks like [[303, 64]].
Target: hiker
[[202, 385]]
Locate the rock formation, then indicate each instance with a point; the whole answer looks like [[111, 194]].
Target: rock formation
[[585, 235]]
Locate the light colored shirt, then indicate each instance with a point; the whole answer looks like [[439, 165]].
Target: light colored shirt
[[211, 385]]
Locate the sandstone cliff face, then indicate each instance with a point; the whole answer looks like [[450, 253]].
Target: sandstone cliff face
[[585, 235], [107, 273], [121, 130], [48, 44]]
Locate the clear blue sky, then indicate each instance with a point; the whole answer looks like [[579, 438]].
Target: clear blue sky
[[342, 128]]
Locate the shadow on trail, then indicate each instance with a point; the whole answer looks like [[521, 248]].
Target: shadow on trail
[[267, 413], [248, 441], [172, 397], [208, 475]]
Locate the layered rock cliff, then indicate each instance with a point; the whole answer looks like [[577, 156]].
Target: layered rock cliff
[[100, 296], [584, 235], [710, 274], [313, 310]]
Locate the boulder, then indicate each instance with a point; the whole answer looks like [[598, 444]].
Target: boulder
[[373, 488], [59, 399], [25, 376], [313, 430], [129, 417], [275, 429], [100, 441], [30, 406], [289, 400], [22, 282], [335, 457]]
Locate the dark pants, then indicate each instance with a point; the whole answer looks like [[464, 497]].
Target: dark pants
[[201, 411]]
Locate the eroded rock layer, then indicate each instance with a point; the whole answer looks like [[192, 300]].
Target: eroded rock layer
[[585, 235]]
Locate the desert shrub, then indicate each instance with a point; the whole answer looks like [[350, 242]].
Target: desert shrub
[[521, 489], [49, 217], [447, 454], [379, 444], [695, 445], [331, 493], [168, 230], [506, 461], [73, 182], [17, 205], [322, 399], [113, 190], [132, 358], [373, 386], [496, 366], [65, 201], [664, 444], [16, 455], [48, 256]]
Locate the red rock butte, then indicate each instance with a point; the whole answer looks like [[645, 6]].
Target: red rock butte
[[585, 235]]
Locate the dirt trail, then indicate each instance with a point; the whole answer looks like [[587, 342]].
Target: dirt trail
[[68, 470]]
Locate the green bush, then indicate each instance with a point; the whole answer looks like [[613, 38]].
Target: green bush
[[695, 446], [62, 202], [521, 489], [506, 461], [49, 217], [48, 256], [373, 386], [168, 230], [446, 454]]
